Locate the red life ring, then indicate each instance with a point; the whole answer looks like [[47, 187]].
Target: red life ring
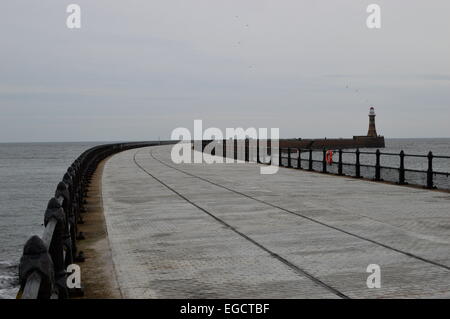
[[329, 157]]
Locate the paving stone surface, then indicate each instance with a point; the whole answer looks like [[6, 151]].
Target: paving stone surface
[[226, 231]]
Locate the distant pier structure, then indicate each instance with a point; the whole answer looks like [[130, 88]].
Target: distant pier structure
[[371, 140]]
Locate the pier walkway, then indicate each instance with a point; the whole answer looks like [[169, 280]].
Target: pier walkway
[[225, 231]]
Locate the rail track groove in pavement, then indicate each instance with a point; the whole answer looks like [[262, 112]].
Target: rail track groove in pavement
[[297, 269], [305, 217], [225, 231]]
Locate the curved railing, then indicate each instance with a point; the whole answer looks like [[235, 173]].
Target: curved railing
[[42, 269]]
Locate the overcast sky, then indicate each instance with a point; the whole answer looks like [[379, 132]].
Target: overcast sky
[[136, 70]]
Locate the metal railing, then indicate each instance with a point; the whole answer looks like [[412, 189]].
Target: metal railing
[[371, 167], [42, 268], [374, 165]]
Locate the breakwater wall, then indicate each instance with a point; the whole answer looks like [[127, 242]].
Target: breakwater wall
[[321, 144], [335, 143]]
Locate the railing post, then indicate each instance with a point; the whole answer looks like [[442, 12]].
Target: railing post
[[280, 152], [289, 157], [224, 148], [310, 160], [299, 161], [257, 151], [269, 152], [340, 172], [247, 151], [430, 183], [36, 272], [358, 164], [324, 160], [56, 248], [378, 166], [72, 213], [63, 191], [213, 149], [401, 177]]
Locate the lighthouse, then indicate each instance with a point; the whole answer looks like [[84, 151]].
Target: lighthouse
[[372, 129]]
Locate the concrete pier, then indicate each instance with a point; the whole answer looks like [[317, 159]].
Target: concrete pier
[[225, 231]]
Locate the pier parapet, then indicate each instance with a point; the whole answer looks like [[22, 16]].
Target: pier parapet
[[42, 268]]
